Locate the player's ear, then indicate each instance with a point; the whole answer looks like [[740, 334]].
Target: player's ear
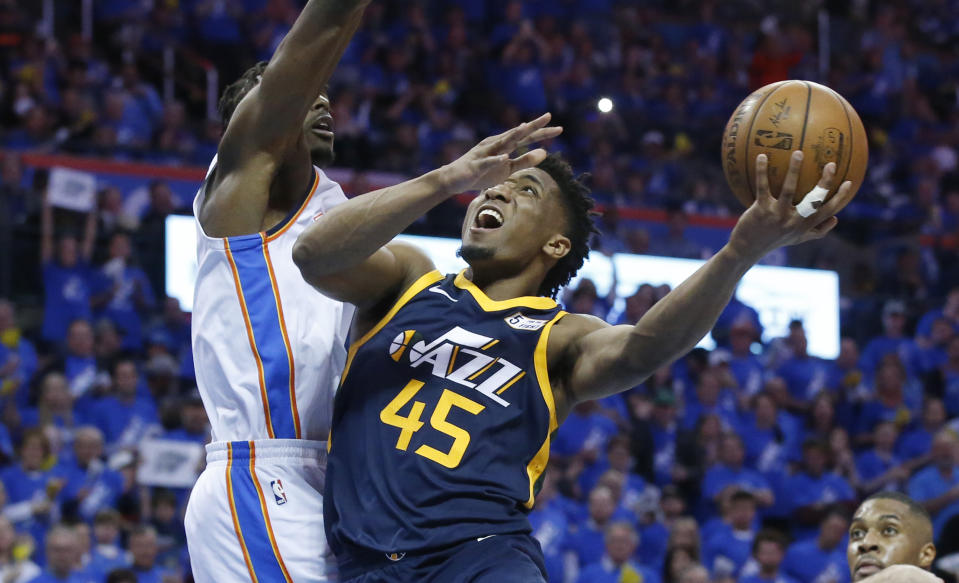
[[927, 555], [557, 247]]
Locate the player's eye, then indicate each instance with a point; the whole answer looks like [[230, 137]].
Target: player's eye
[[890, 531], [528, 189], [857, 534]]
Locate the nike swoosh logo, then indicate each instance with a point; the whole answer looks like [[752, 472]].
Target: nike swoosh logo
[[482, 538], [440, 291]]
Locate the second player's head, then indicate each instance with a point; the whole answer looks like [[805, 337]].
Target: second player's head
[[539, 218], [317, 125], [888, 529]]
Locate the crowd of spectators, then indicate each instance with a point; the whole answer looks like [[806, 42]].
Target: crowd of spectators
[[739, 464]]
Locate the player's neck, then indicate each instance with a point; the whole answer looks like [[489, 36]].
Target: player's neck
[[499, 288]]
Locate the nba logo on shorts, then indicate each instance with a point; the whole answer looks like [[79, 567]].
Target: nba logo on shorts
[[278, 493]]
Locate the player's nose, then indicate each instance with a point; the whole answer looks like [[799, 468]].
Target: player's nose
[[499, 192]]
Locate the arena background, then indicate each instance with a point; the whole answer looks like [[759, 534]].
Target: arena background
[[108, 122]]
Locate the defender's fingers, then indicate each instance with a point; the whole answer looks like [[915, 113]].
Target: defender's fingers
[[528, 160], [540, 135], [791, 180], [762, 178], [520, 132]]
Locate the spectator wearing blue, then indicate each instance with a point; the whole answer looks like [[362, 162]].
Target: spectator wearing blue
[[893, 340], [890, 403], [663, 429], [19, 347], [769, 436], [730, 472], [711, 398], [815, 488], [654, 527], [89, 485], [587, 539], [616, 564], [768, 551], [144, 548], [63, 550], [32, 488], [935, 352], [823, 558], [79, 360], [106, 555], [194, 424], [54, 412], [845, 376], [936, 487], [123, 293], [879, 467], [125, 418], [585, 433], [744, 365], [949, 312], [735, 312], [729, 541], [67, 275], [915, 444], [805, 375]]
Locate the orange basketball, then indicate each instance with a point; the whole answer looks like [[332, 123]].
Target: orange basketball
[[793, 115]]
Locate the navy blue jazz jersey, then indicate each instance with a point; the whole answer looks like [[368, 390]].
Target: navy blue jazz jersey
[[442, 422]]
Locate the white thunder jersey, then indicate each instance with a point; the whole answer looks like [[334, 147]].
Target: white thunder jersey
[[269, 348]]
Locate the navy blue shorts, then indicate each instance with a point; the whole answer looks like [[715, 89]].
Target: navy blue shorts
[[505, 558]]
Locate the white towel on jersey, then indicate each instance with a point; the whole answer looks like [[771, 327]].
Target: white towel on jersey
[[269, 350]]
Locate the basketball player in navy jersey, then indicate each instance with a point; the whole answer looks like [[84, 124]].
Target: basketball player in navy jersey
[[453, 384]]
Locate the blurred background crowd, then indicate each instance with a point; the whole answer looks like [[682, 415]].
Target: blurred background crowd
[[732, 464]]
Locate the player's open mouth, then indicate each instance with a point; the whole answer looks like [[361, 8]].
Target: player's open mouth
[[323, 127], [488, 219]]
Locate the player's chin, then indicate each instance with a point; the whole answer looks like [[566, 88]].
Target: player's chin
[[321, 152]]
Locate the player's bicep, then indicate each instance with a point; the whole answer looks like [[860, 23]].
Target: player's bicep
[[601, 364], [377, 279]]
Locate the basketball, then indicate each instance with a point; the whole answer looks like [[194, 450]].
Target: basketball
[[793, 115]]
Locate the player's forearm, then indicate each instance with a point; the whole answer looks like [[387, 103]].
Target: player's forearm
[[676, 323], [350, 232], [303, 64]]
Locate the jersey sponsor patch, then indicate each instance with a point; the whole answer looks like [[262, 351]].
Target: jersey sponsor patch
[[520, 322], [279, 494]]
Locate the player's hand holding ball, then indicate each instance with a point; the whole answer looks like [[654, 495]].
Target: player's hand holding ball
[[772, 222]]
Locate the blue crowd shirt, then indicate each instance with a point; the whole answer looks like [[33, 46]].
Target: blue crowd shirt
[[125, 423], [806, 562], [604, 571], [581, 432], [66, 298], [906, 348], [780, 578], [928, 484], [871, 464], [720, 476], [727, 550], [101, 486], [805, 377], [122, 309], [550, 528]]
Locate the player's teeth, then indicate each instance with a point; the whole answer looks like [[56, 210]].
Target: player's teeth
[[493, 214]]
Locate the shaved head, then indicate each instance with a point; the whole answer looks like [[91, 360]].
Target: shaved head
[[889, 528]]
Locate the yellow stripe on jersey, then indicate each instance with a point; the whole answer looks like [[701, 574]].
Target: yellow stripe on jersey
[[419, 285], [537, 465], [490, 305]]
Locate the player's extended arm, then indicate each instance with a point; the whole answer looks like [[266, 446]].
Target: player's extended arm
[[608, 359], [344, 253], [267, 124]]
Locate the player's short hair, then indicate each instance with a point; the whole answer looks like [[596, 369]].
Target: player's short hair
[[742, 495], [769, 535], [913, 506], [578, 206], [236, 91]]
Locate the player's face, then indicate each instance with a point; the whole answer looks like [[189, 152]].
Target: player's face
[[884, 532], [514, 222], [318, 130]]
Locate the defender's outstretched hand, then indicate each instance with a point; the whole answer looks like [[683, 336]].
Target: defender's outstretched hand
[[489, 162], [772, 222]]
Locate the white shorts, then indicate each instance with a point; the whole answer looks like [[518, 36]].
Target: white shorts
[[256, 514]]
